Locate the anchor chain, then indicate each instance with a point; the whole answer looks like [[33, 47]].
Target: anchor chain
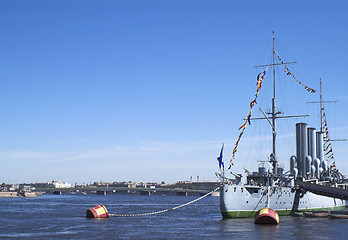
[[163, 211]]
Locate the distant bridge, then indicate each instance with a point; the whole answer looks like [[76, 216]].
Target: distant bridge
[[117, 190]]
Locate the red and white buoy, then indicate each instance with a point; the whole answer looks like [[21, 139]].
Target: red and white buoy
[[97, 212], [266, 216]]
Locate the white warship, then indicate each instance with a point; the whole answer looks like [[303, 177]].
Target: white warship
[[241, 196]]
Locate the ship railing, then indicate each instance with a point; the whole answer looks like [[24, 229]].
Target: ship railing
[[224, 179], [310, 180], [343, 185]]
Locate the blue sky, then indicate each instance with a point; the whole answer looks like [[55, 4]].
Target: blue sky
[[148, 90]]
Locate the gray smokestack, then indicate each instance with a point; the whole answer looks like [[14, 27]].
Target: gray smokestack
[[292, 163], [312, 144], [301, 147], [320, 146], [308, 161]]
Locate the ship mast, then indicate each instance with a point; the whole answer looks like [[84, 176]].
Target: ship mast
[[321, 109], [321, 105], [273, 158], [274, 113]]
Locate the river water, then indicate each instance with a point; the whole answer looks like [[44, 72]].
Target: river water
[[63, 217]]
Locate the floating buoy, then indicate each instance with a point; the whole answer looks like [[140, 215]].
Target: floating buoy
[[266, 216], [97, 212]]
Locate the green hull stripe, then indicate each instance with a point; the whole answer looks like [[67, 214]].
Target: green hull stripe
[[246, 214]]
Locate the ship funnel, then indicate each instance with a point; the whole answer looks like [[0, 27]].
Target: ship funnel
[[313, 171], [294, 172], [321, 171], [325, 165], [308, 163], [312, 146], [301, 148], [320, 146], [317, 165], [292, 162]]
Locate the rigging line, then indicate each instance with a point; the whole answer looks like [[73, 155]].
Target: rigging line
[[263, 194], [273, 64], [165, 210]]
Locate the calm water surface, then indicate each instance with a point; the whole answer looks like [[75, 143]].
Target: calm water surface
[[63, 217]]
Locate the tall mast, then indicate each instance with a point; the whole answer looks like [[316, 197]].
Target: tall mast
[[274, 113], [321, 110], [274, 160]]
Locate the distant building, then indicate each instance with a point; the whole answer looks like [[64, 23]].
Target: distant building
[[53, 184], [147, 185], [123, 184], [59, 184], [12, 187], [27, 188], [42, 185]]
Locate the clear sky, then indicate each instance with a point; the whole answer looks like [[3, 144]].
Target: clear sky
[[147, 90]]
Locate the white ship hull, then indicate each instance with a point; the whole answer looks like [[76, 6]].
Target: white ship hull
[[237, 201]]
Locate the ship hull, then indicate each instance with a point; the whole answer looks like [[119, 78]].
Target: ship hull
[[242, 201]]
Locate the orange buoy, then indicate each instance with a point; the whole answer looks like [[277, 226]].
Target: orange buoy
[[97, 212], [266, 216]]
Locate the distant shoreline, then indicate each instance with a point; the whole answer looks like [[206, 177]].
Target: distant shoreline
[[8, 194], [16, 194]]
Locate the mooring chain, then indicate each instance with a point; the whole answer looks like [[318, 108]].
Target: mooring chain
[[163, 211]]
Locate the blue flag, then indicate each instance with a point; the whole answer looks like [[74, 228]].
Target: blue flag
[[221, 159]]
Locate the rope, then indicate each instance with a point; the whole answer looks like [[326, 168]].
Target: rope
[[263, 194], [163, 211]]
